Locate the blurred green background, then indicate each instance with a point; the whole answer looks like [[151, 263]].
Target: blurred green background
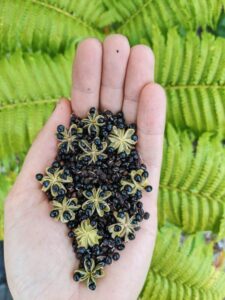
[[37, 44]]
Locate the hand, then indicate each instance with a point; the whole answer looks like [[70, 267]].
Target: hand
[[38, 253]]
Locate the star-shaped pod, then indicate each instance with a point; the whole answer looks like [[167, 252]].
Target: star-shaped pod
[[90, 273], [93, 122], [66, 137], [54, 181], [123, 227], [138, 182], [96, 201], [91, 151], [65, 210], [86, 234], [121, 139]]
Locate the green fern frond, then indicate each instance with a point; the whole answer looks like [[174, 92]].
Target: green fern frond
[[48, 25], [138, 19], [183, 270], [192, 186], [192, 71], [30, 84]]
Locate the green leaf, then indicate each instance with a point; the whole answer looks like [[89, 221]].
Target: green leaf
[[49, 25], [192, 185], [139, 18], [183, 270]]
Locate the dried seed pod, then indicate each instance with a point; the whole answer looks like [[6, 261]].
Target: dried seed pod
[[121, 139], [86, 234], [54, 181], [66, 209], [96, 201], [123, 227], [89, 273]]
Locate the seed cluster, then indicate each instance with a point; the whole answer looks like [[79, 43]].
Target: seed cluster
[[95, 186]]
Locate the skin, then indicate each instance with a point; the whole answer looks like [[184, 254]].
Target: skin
[[38, 254]]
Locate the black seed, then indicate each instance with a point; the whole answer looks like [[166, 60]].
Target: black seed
[[92, 110], [146, 215], [55, 188], [60, 128], [117, 228], [108, 260], [54, 213], [76, 276], [81, 250], [71, 234], [92, 286], [46, 183], [134, 137], [67, 215], [139, 204], [131, 236], [138, 217], [148, 188], [118, 240], [121, 214], [145, 174], [116, 256], [121, 247], [137, 178], [39, 176]]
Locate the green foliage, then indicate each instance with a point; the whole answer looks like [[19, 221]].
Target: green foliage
[[183, 269], [37, 46], [192, 186], [139, 18], [194, 79]]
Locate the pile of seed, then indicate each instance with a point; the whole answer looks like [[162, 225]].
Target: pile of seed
[[95, 186]]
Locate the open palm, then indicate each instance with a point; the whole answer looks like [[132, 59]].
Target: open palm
[[38, 253]]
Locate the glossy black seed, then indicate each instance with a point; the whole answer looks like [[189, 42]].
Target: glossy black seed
[[118, 240], [137, 178], [71, 234], [54, 213], [117, 228], [139, 204], [55, 188], [67, 215], [116, 256], [146, 215], [92, 110], [46, 183], [92, 286], [148, 188], [108, 260], [39, 176], [145, 174], [134, 137], [131, 236], [81, 250], [60, 128], [121, 247], [76, 276], [121, 214], [138, 217]]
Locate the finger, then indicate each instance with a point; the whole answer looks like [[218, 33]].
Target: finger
[[151, 123], [86, 76], [140, 71], [116, 51], [43, 150]]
